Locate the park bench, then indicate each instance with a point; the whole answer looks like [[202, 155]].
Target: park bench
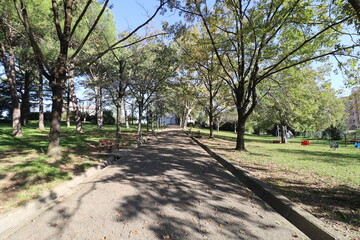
[[109, 144], [197, 134], [334, 145]]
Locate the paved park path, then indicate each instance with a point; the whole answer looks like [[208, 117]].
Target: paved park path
[[168, 188]]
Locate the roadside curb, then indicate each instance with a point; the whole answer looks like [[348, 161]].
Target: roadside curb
[[304, 221], [51, 197]]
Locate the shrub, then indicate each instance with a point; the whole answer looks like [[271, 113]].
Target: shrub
[[333, 132], [108, 117]]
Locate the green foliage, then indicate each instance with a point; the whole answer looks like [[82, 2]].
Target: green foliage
[[255, 41], [299, 98], [333, 132], [108, 117]]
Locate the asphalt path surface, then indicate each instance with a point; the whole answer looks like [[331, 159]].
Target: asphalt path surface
[[169, 188]]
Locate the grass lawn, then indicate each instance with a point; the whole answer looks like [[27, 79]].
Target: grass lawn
[[25, 171], [326, 182]]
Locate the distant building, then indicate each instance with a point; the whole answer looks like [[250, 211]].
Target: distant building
[[354, 109], [170, 119]]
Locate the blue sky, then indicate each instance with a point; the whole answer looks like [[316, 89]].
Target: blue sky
[[131, 13]]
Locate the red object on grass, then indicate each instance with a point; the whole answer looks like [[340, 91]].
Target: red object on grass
[[305, 143]]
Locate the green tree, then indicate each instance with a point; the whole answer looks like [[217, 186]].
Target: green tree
[[199, 56], [66, 19], [10, 32], [256, 40], [298, 98], [151, 66]]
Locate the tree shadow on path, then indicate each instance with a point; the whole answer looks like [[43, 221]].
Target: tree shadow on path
[[181, 193]]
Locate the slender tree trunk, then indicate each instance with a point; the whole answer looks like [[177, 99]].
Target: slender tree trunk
[[211, 115], [181, 122], [118, 117], [147, 118], [185, 121], [71, 85], [240, 140], [132, 113], [283, 133], [9, 64], [99, 108], [126, 115], [139, 121], [54, 150], [120, 97], [68, 120], [25, 101], [41, 103]]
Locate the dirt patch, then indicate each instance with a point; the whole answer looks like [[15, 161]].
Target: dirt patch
[[336, 204]]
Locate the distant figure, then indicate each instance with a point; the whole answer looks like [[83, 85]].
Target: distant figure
[[289, 134]]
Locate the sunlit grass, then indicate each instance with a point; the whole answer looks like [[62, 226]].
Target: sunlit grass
[[342, 164], [25, 171]]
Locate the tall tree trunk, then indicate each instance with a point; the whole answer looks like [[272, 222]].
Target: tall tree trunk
[[118, 117], [41, 103], [240, 140], [185, 121], [120, 97], [99, 108], [181, 122], [132, 113], [283, 133], [8, 60], [147, 118], [54, 150], [25, 101], [139, 121], [126, 115], [211, 114], [68, 120], [79, 128]]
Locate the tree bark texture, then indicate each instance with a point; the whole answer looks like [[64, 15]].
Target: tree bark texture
[[139, 121], [240, 140], [126, 115], [120, 95], [68, 120], [75, 106], [41, 103], [8, 60], [99, 107], [54, 150], [211, 114], [118, 118], [283, 133]]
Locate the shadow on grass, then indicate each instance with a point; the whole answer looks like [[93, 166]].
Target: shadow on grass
[[340, 202], [28, 174], [36, 171]]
